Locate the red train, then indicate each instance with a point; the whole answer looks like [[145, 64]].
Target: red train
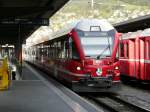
[[82, 54], [134, 55]]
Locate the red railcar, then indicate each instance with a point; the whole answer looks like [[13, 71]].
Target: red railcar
[[134, 55], [83, 54]]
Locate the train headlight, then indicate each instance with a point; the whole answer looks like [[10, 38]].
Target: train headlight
[[116, 68], [78, 68], [116, 71]]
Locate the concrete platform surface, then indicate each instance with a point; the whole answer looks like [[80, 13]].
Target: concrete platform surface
[[31, 96], [41, 96]]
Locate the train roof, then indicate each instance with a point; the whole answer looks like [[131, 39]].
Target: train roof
[[139, 33], [83, 25], [146, 33], [131, 35]]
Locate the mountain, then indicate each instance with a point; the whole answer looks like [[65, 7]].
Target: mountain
[[113, 10]]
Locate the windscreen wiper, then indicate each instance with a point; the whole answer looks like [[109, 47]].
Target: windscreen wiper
[[98, 57]]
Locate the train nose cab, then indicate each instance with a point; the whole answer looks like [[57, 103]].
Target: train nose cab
[[98, 54], [101, 73]]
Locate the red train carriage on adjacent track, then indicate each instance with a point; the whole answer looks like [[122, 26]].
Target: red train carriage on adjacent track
[[82, 54], [135, 55]]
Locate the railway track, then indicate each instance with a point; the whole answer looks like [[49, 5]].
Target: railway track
[[116, 104]]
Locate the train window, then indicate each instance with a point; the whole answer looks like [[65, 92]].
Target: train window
[[73, 51], [50, 50], [40, 51], [66, 45], [45, 51], [63, 50], [127, 50], [67, 49], [80, 33], [92, 33], [53, 50], [121, 49], [59, 49]]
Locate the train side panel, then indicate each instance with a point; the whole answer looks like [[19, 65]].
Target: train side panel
[[135, 62], [147, 58]]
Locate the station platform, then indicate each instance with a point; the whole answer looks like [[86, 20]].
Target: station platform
[[41, 95]]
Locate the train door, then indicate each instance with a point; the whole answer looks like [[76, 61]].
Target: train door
[[141, 59], [136, 59], [147, 58], [130, 46], [65, 58], [123, 58], [73, 55]]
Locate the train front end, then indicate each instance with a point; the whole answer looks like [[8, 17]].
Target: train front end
[[97, 45]]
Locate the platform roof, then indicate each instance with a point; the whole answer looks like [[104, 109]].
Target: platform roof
[[14, 10], [10, 10], [133, 25]]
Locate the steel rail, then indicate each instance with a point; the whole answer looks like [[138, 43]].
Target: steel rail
[[122, 106], [111, 109], [133, 105]]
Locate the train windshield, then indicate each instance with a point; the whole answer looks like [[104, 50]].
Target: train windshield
[[96, 44]]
